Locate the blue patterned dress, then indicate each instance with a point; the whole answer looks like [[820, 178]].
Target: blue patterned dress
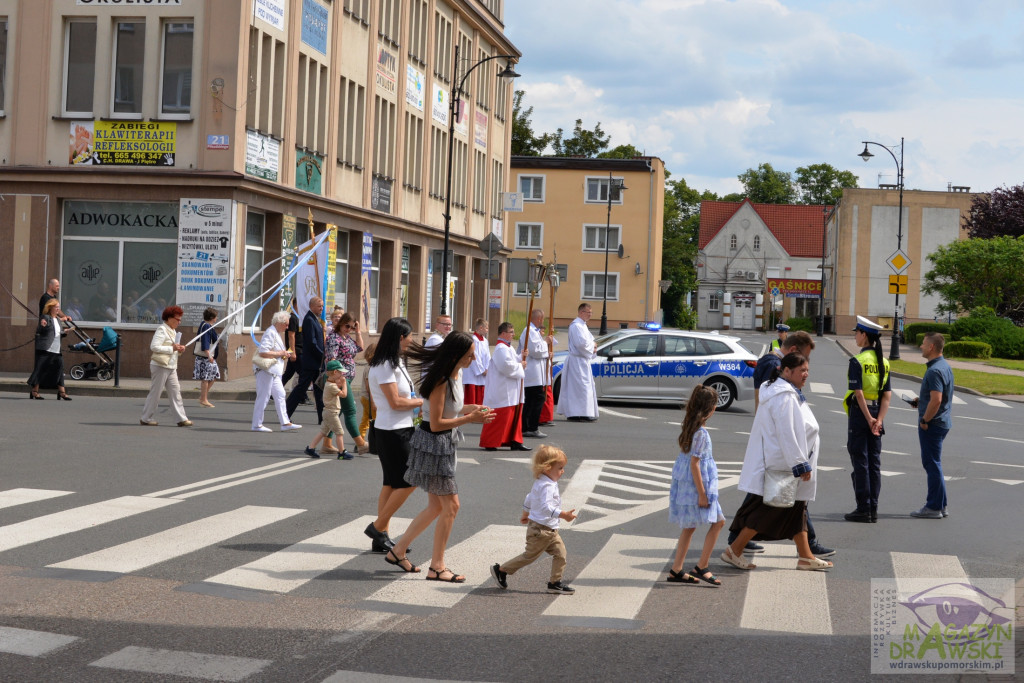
[[682, 498]]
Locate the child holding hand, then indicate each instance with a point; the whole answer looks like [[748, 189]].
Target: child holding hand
[[693, 498], [335, 388], [542, 511]]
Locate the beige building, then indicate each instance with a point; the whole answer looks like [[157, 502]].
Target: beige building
[[566, 216], [862, 239], [165, 152]]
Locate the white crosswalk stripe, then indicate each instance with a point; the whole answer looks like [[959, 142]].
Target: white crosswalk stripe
[[994, 402], [20, 641], [174, 663], [780, 598], [13, 497], [181, 540], [957, 401], [821, 388]]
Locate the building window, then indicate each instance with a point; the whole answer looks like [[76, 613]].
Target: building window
[[358, 10], [732, 242], [3, 61], [714, 303], [593, 286], [532, 187], [413, 152], [597, 191], [384, 138], [772, 272], [501, 97], [498, 182], [521, 289], [79, 67], [459, 163], [438, 161], [388, 21], [757, 243], [341, 272], [484, 78], [254, 231], [265, 103], [176, 72], [529, 235], [465, 59], [351, 119], [114, 271], [311, 112], [594, 237], [418, 25], [129, 63], [442, 46], [807, 308], [479, 182]]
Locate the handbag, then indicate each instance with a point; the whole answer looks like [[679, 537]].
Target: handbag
[[780, 488], [262, 363]]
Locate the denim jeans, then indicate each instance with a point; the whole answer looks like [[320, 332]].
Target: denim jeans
[[931, 459]]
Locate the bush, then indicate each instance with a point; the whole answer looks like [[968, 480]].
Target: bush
[[913, 329], [1005, 338], [967, 349], [805, 324], [685, 317]]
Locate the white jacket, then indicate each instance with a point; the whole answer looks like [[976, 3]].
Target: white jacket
[[502, 387], [536, 358], [162, 347], [476, 372], [784, 435]]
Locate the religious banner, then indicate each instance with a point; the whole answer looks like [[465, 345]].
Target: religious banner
[[315, 276]]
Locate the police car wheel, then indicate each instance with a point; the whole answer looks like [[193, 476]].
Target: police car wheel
[[726, 392]]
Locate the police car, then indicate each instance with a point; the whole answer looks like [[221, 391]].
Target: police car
[[655, 365]]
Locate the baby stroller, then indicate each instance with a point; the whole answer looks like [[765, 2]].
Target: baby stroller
[[103, 368]]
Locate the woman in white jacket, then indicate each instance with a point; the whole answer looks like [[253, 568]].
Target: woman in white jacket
[[268, 382], [163, 367], [784, 437]]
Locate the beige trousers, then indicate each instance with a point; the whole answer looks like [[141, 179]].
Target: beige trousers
[[164, 378], [540, 539]]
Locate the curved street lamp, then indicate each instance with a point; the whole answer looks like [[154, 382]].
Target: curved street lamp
[[894, 351], [507, 75]]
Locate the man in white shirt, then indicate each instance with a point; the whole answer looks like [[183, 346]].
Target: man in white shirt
[[442, 326], [577, 398], [503, 394], [534, 345]]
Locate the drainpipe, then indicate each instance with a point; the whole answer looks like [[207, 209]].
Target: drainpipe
[[650, 245]]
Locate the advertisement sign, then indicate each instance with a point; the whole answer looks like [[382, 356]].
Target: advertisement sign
[[122, 143], [494, 298], [795, 289], [308, 171], [270, 11], [287, 257], [461, 118], [439, 105], [414, 87], [204, 236], [380, 194], [366, 265], [130, 3], [430, 291], [480, 130], [386, 75], [262, 155], [314, 25]]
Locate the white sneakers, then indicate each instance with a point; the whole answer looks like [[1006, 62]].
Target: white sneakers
[[261, 428], [289, 427]]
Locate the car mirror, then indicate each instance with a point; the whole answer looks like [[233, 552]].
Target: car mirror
[[612, 354]]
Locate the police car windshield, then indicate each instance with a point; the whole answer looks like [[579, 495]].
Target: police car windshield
[[609, 337]]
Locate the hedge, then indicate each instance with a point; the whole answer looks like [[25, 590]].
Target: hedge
[[1005, 338], [913, 329], [805, 324], [967, 349]]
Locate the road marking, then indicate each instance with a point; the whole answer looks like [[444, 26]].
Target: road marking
[[833, 398], [300, 563], [19, 641], [888, 473], [517, 460], [922, 566], [979, 419], [633, 489], [610, 470], [181, 540], [828, 468], [997, 464], [472, 558], [996, 438], [785, 600], [204, 482], [957, 401], [364, 677], [994, 402], [618, 414], [76, 519], [1009, 482], [13, 497], [744, 433], [821, 388], [904, 424], [218, 487], [613, 586], [469, 461], [838, 412], [894, 452], [189, 664]]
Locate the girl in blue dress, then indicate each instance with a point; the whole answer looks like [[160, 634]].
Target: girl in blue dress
[[693, 498]]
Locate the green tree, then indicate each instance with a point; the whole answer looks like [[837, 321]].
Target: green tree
[[971, 273], [822, 183], [765, 185], [524, 142], [679, 249], [621, 152], [583, 143]]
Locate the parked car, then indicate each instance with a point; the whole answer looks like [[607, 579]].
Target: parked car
[[663, 366]]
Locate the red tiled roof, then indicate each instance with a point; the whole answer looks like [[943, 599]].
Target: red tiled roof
[[798, 227]]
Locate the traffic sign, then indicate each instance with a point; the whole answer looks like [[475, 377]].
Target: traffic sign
[[490, 245], [775, 292], [897, 284], [899, 261]]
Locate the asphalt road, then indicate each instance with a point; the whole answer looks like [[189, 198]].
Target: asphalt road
[[215, 553]]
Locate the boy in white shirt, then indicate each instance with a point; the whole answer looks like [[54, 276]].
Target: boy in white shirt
[[542, 511]]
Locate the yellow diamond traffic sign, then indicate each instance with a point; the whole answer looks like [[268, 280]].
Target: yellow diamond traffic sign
[[899, 261]]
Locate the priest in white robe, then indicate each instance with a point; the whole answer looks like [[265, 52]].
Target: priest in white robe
[[577, 398]]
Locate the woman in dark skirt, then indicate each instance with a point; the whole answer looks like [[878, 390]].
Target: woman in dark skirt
[[784, 437], [432, 453], [205, 351], [48, 372]]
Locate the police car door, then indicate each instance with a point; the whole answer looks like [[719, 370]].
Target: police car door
[[628, 368], [681, 367]]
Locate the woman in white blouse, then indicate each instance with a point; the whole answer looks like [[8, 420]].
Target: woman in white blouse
[[163, 367], [268, 382]]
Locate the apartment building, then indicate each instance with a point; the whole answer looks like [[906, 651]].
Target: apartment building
[[181, 151]]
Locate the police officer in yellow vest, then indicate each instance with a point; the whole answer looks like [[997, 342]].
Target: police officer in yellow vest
[[777, 343], [866, 403]]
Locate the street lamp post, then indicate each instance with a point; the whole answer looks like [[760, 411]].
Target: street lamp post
[[615, 188], [826, 215], [894, 351], [454, 106]]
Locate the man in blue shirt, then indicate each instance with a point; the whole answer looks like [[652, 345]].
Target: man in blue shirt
[[934, 422]]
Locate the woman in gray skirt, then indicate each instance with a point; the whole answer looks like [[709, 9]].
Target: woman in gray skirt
[[432, 456]]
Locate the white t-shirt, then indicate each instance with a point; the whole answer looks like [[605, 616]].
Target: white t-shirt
[[386, 373]]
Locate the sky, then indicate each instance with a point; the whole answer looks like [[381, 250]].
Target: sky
[[714, 87]]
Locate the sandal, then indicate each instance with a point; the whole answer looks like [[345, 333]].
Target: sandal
[[706, 576], [738, 562], [413, 569], [439, 573], [680, 577], [813, 564]]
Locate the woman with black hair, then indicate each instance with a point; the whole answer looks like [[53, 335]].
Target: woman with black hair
[[433, 457], [392, 393], [866, 403]]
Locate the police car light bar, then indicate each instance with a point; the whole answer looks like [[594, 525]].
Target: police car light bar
[[650, 326]]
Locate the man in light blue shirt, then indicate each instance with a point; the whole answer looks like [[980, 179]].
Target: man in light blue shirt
[[934, 422]]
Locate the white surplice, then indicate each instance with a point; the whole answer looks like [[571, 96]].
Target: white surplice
[[577, 396]]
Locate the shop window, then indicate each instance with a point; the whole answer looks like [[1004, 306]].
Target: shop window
[[176, 73], [255, 224], [119, 260], [374, 286], [593, 286], [79, 67]]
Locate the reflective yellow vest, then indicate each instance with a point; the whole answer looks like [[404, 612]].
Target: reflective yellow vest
[[870, 379], [776, 344]]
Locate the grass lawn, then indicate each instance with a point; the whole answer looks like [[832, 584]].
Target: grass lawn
[[985, 382]]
